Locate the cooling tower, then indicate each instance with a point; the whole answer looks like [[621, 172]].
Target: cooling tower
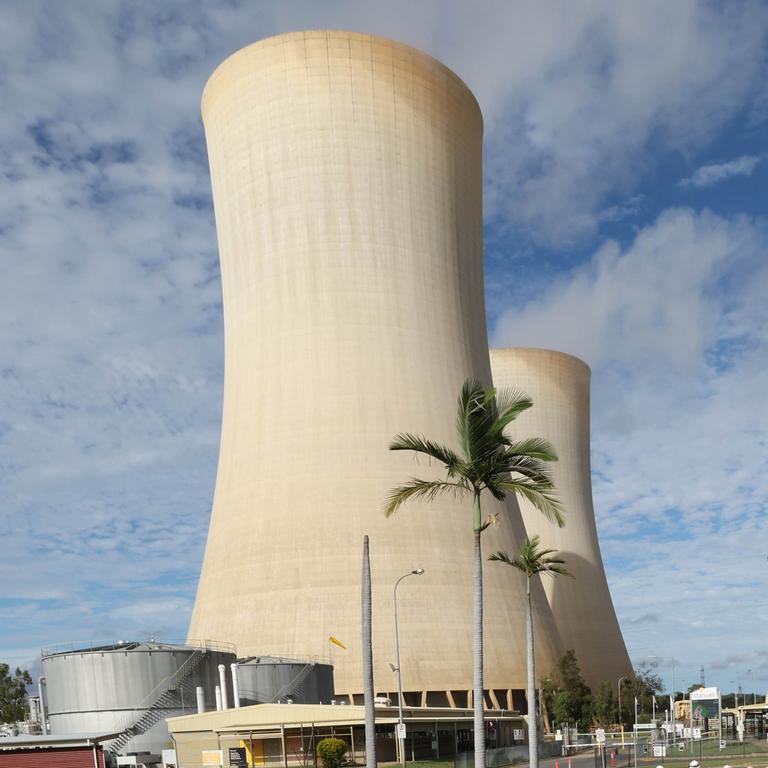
[[582, 608], [346, 175]]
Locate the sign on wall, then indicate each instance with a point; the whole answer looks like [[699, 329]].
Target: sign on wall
[[213, 758]]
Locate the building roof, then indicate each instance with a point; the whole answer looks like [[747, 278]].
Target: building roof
[[30, 741], [265, 716]]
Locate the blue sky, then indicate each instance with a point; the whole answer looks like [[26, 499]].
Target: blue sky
[[626, 168]]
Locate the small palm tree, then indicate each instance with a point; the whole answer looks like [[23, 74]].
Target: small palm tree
[[532, 561], [489, 460]]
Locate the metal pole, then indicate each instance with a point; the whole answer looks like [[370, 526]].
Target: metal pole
[[621, 724], [754, 686], [400, 739], [41, 683], [690, 716], [634, 735], [400, 724], [674, 698]]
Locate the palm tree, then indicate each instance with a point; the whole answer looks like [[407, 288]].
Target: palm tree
[[488, 461], [532, 561], [368, 692]]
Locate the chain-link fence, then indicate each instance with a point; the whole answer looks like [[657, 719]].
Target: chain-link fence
[[680, 752]]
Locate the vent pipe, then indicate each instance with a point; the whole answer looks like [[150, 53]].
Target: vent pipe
[[235, 686], [223, 686], [200, 694], [218, 698], [43, 717]]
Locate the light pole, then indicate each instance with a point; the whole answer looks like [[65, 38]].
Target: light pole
[[673, 697], [400, 724], [634, 734], [754, 686], [621, 725]]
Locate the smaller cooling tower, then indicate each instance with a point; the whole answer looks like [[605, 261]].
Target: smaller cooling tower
[[581, 606], [130, 687], [265, 679]]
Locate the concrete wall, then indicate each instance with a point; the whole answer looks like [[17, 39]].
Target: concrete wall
[[347, 186], [582, 606]]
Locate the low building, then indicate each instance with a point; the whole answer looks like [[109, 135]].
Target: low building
[[73, 750], [284, 735]]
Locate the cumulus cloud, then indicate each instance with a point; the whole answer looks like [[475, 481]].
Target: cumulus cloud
[[710, 175], [110, 327], [675, 330]]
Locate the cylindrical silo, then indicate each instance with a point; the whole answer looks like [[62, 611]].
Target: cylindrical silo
[[266, 679], [582, 608], [110, 688], [346, 175]]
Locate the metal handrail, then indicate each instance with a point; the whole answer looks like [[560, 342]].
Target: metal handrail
[[303, 659], [86, 646]]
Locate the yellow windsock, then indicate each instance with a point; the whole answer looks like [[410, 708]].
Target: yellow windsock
[[336, 641]]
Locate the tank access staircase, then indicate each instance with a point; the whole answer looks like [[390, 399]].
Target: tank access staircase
[[166, 698], [292, 687]]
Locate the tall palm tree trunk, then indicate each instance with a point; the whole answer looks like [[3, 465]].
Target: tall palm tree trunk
[[477, 697], [370, 721], [533, 737]]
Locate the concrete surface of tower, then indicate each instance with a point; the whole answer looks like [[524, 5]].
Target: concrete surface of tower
[[582, 608], [347, 186]]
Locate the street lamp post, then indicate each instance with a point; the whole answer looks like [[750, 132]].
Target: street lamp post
[[754, 686], [673, 697], [400, 725], [621, 725], [634, 735]]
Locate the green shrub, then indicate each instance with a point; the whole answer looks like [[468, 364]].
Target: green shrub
[[331, 751]]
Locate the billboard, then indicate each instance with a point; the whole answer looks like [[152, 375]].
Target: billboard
[[705, 706]]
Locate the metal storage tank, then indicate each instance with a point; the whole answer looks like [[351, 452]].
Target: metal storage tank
[[264, 679], [347, 184], [123, 685], [582, 607]]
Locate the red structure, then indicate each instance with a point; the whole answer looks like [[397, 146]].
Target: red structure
[[81, 750]]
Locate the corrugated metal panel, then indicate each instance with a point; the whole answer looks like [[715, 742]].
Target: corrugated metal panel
[[78, 757]]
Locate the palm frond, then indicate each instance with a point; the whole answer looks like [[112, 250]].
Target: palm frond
[[535, 447], [510, 403], [532, 468], [544, 500], [421, 489], [405, 441], [532, 559], [472, 418], [503, 557]]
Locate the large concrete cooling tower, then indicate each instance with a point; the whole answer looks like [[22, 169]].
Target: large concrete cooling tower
[[346, 176], [582, 606]]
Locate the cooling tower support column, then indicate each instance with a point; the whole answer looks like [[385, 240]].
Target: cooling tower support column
[[583, 611], [347, 186]]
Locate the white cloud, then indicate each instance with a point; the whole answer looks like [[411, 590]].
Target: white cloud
[[110, 330], [675, 328], [710, 175]]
